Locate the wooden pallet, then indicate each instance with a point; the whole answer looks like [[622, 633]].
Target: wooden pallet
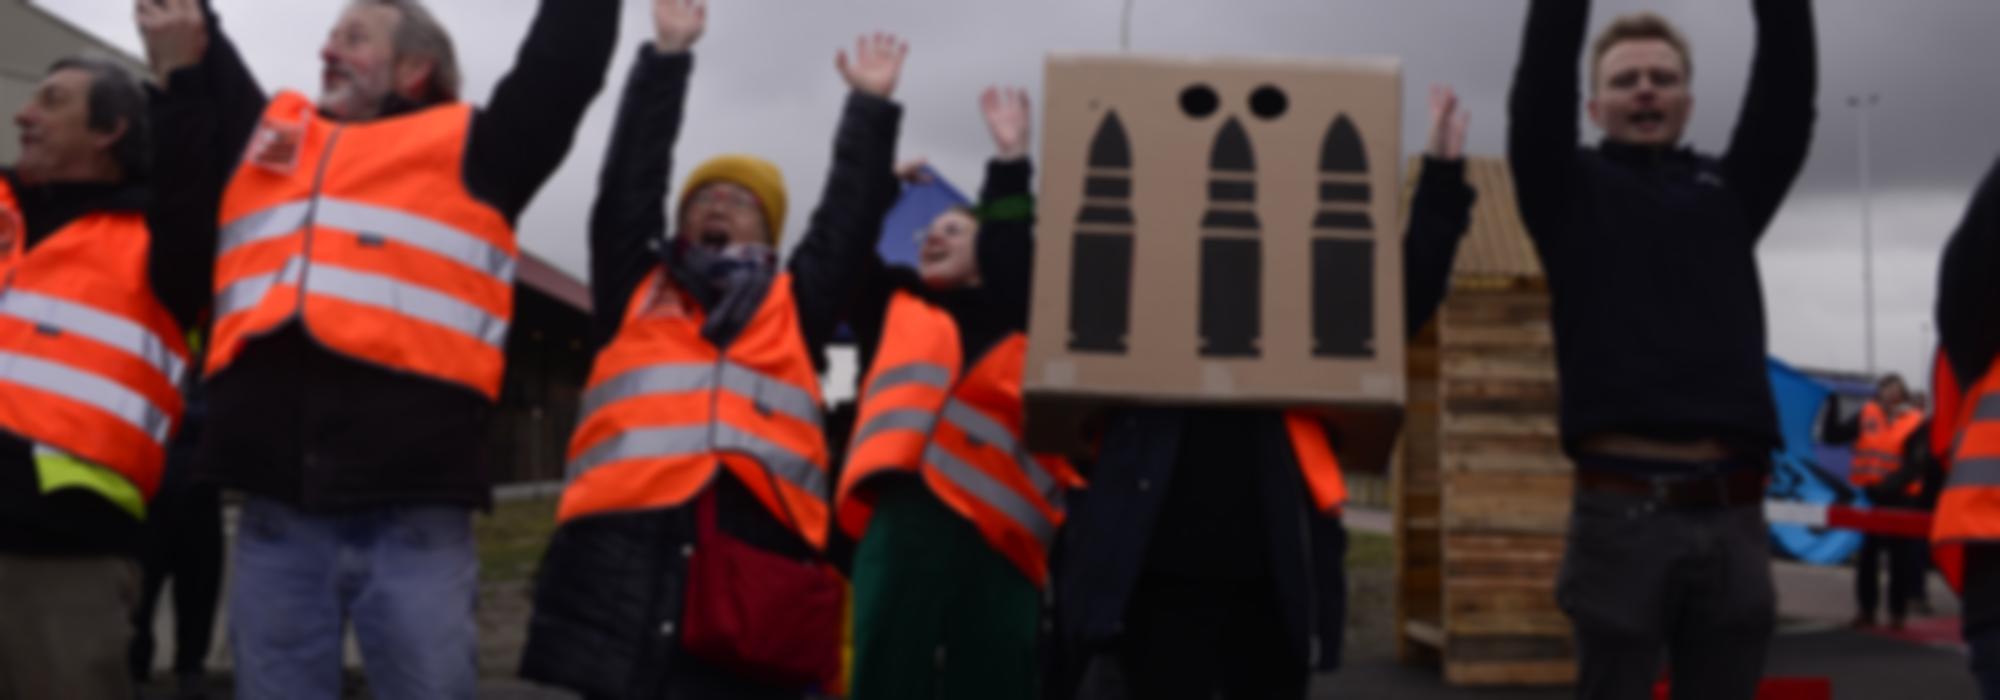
[[1482, 493]]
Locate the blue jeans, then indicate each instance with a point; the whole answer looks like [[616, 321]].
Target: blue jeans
[[406, 576]]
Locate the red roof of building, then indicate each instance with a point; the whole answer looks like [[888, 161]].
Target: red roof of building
[[538, 274]]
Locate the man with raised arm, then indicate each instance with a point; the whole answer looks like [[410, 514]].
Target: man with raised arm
[[1650, 250], [364, 254]]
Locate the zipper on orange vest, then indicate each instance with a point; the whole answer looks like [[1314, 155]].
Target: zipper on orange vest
[[312, 222]]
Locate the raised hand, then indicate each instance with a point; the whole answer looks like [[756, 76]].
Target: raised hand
[[176, 34], [1448, 125], [677, 24], [912, 171], [876, 64], [1007, 116]]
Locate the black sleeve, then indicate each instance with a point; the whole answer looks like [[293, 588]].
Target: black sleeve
[[1834, 430], [866, 317], [843, 231], [1968, 290], [528, 126], [1542, 112], [1007, 239], [1440, 213], [1915, 461], [629, 214], [201, 121], [1774, 132]]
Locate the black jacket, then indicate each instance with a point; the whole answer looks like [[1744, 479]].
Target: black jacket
[[1968, 290], [73, 521], [1241, 508], [295, 422], [1650, 253], [610, 584]]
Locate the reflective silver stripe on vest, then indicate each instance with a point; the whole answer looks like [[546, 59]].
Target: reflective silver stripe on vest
[[244, 294], [54, 314], [924, 373], [369, 220], [1887, 459], [1981, 471], [652, 443], [779, 461], [649, 442], [417, 232], [764, 392], [83, 387], [984, 429], [408, 300], [769, 394], [666, 378], [273, 222], [992, 493], [1988, 407], [912, 419]]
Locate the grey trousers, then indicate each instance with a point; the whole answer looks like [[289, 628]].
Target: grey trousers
[[68, 621], [1645, 585]]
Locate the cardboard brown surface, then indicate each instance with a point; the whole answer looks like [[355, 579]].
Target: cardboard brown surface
[[1189, 203]]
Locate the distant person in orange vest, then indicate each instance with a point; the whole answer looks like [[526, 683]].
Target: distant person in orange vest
[[1966, 430], [93, 303], [1207, 556], [1881, 434], [954, 517], [364, 253], [1661, 349], [701, 446]]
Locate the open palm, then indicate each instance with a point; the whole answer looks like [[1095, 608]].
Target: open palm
[[1006, 111], [678, 23], [876, 64]]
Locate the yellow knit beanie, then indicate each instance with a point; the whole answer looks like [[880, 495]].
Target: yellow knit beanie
[[760, 176]]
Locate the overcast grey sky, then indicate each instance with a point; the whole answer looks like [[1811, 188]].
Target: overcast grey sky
[[765, 83]]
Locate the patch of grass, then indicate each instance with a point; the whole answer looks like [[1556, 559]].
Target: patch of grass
[[511, 538], [1370, 550]]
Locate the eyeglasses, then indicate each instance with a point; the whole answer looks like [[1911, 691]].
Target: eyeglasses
[[724, 198]]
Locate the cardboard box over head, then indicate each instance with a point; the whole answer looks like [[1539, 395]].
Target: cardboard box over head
[[1219, 231]]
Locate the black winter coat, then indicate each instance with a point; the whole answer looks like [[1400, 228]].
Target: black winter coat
[[1246, 463]]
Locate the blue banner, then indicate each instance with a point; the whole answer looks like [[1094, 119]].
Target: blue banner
[[912, 215], [1806, 472]]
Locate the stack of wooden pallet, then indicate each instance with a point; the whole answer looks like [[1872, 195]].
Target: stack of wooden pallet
[[1482, 488]]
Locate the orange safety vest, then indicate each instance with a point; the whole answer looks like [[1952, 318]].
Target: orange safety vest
[[1879, 451], [366, 234], [90, 361], [665, 407], [961, 431], [1969, 507], [1317, 463]]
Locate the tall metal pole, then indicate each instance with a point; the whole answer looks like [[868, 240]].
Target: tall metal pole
[[1862, 106], [1125, 28]]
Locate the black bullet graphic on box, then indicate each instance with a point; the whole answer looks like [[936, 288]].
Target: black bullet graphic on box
[[1100, 284], [1231, 254], [1343, 248]]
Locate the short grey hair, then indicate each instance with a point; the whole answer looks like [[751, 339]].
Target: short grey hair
[[116, 95], [419, 35]]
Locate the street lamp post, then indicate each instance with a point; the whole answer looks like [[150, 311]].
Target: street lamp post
[[1862, 105]]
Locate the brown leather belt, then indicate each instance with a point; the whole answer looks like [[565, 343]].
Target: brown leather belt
[[1736, 487]]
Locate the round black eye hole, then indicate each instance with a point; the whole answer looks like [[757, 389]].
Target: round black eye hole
[[1199, 101], [1269, 102]]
